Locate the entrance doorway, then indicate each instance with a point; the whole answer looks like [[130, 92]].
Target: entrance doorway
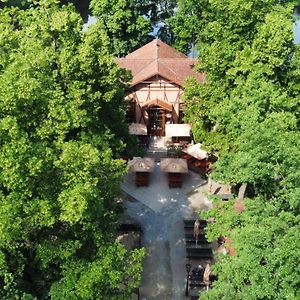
[[156, 121]]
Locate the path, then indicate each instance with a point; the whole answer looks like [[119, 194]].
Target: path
[[160, 211]]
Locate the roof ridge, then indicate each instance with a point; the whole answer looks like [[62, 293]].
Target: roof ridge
[[156, 49], [158, 58]]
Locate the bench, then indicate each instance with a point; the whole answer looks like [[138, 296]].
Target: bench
[[191, 230], [199, 256], [194, 284], [199, 253], [201, 244], [199, 250], [130, 227], [190, 236]]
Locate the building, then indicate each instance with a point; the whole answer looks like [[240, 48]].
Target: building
[[155, 94]]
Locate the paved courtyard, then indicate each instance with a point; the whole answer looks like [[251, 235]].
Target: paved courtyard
[[160, 210]]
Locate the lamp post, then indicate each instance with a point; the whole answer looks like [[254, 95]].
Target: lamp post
[[188, 269]]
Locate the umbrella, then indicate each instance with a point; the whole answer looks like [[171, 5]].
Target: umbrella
[[138, 129], [197, 231], [206, 275], [196, 151], [139, 164], [180, 130], [173, 165]]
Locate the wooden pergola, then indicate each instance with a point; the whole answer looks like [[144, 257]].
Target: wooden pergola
[[175, 167], [142, 168]]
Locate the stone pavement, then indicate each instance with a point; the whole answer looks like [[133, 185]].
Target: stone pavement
[[158, 196], [160, 211]]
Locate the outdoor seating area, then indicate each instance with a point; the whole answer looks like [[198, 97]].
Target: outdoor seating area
[[163, 172], [199, 256], [179, 133], [175, 167], [175, 158], [142, 168], [141, 132], [197, 246], [198, 159]]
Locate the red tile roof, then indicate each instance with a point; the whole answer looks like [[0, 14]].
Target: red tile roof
[[158, 58]]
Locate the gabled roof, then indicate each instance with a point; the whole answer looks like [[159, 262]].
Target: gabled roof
[[173, 165], [155, 49], [158, 58], [139, 164], [157, 102]]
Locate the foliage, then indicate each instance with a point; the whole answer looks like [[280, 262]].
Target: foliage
[[130, 24], [248, 90], [62, 136], [159, 13], [266, 242], [107, 272], [186, 24], [248, 113], [124, 22]]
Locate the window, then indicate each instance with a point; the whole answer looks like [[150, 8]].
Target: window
[[181, 114], [130, 112]]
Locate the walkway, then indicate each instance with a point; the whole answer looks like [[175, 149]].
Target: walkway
[[160, 211]]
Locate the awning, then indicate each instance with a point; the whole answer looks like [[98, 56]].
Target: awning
[[138, 129], [196, 151], [157, 102], [179, 130], [139, 164], [173, 165]]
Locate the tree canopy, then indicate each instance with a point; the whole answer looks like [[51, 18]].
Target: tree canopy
[[248, 113], [124, 22], [185, 24], [62, 136], [131, 24]]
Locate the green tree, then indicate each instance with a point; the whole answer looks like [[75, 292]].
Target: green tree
[[124, 22], [186, 23], [61, 139], [248, 112], [159, 13], [130, 23], [266, 243]]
